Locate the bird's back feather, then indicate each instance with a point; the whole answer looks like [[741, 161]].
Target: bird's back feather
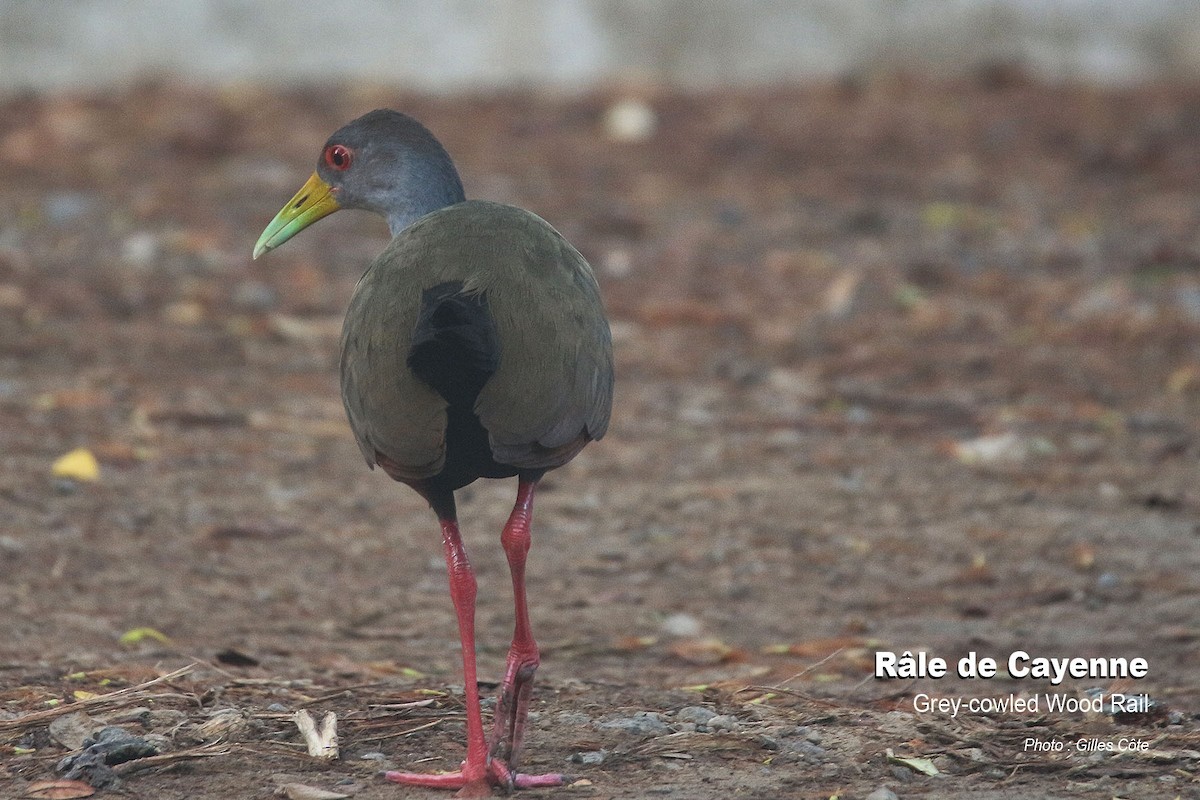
[[472, 290]]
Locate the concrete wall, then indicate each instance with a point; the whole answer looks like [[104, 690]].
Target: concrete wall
[[455, 44]]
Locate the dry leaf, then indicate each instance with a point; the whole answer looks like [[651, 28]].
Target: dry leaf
[[816, 648], [706, 651], [922, 765], [301, 791], [629, 644], [59, 790], [78, 465]]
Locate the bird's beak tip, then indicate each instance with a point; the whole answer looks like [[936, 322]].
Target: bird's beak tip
[[314, 200]]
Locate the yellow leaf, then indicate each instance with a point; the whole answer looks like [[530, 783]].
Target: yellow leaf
[[135, 635], [80, 694], [78, 464]]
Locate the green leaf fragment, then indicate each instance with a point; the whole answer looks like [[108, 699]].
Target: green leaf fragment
[[135, 635], [922, 765]]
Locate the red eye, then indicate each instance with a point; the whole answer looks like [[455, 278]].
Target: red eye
[[338, 156]]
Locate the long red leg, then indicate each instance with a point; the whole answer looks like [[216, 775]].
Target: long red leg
[[480, 771], [472, 779], [512, 706]]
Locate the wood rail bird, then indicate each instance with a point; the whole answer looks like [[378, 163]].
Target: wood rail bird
[[475, 346]]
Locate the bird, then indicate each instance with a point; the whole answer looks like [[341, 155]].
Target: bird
[[475, 346]]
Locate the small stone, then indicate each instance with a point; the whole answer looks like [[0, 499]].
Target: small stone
[[140, 249], [72, 730], [110, 745], [724, 722], [119, 745], [883, 793], [589, 757], [158, 741], [643, 723], [278, 708], [681, 625], [630, 120], [1000, 448], [617, 262], [64, 208], [695, 714], [858, 415], [807, 750]]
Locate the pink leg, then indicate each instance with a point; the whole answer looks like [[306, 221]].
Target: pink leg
[[479, 772], [512, 706], [472, 779]]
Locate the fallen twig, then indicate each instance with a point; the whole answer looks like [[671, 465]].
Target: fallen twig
[[118, 698], [165, 759], [410, 731]]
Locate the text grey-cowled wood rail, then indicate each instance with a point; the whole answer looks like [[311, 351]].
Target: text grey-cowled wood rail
[[475, 346]]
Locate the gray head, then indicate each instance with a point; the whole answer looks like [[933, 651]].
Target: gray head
[[389, 163], [385, 162]]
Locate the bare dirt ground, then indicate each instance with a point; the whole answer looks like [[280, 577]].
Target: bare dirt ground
[[902, 366]]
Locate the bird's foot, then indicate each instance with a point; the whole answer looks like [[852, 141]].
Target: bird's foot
[[475, 782], [512, 708]]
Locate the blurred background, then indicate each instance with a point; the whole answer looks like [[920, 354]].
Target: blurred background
[[584, 44], [905, 298]]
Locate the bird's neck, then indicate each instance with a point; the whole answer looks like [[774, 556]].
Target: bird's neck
[[439, 188], [399, 220]]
